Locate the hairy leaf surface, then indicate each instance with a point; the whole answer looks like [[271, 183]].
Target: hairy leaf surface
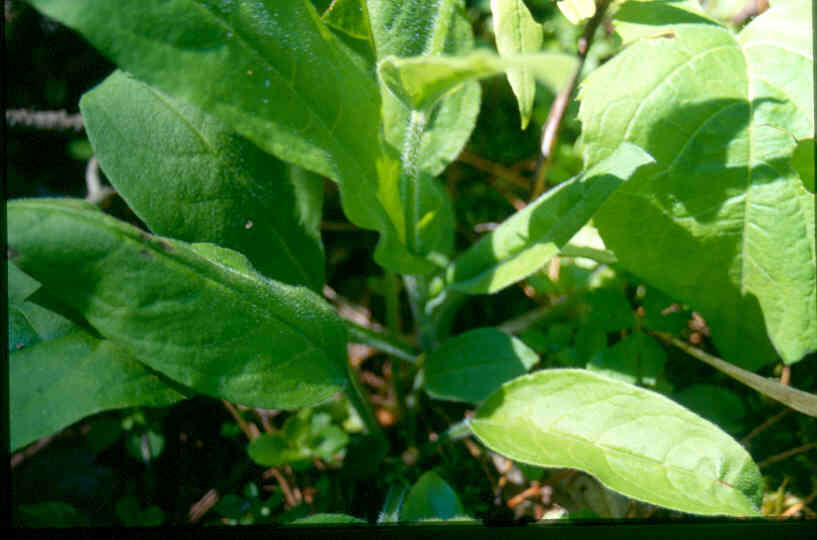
[[635, 441], [276, 74], [188, 175], [213, 325], [724, 222]]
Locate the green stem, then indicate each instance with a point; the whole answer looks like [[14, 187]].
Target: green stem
[[386, 343], [358, 400]]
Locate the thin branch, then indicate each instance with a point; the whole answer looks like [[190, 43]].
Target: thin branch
[[526, 320], [494, 169], [203, 505], [752, 8], [18, 457], [47, 120], [787, 454], [550, 132], [97, 193], [764, 426], [249, 429], [798, 400], [289, 497]]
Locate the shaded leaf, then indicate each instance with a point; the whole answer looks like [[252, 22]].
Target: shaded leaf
[[269, 345], [528, 239], [634, 441], [186, 174], [716, 403], [637, 358], [328, 519], [470, 366]]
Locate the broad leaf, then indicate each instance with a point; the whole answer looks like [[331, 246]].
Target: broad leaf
[[531, 237], [188, 175], [213, 325], [470, 366], [277, 75], [431, 499], [517, 33], [634, 441], [723, 223], [421, 81], [55, 383]]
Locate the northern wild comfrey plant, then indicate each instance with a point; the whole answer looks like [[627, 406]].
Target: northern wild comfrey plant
[[227, 116]]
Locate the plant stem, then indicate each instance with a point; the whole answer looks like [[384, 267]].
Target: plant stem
[[384, 342], [417, 289], [550, 132], [393, 324], [358, 400], [526, 320], [796, 399]]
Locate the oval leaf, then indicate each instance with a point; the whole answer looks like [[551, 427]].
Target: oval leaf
[[635, 441], [470, 366], [186, 174], [219, 329]]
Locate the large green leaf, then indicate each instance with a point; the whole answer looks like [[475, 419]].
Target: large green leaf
[[723, 223], [431, 499], [470, 366], [276, 74], [188, 175], [421, 81], [517, 33], [57, 382], [528, 239], [212, 324], [635, 441]]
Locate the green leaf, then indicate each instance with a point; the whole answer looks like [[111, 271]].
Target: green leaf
[[722, 223], [609, 310], [635, 359], [634, 441], [276, 74], [470, 366], [406, 28], [305, 435], [431, 499], [517, 33], [576, 11], [222, 331], [57, 382], [421, 81], [350, 16], [328, 519], [188, 175], [532, 236]]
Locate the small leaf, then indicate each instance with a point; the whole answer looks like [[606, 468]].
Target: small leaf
[[420, 81], [576, 11], [186, 174], [431, 499], [470, 366], [634, 441], [716, 403], [527, 240], [219, 330], [803, 162], [517, 33]]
